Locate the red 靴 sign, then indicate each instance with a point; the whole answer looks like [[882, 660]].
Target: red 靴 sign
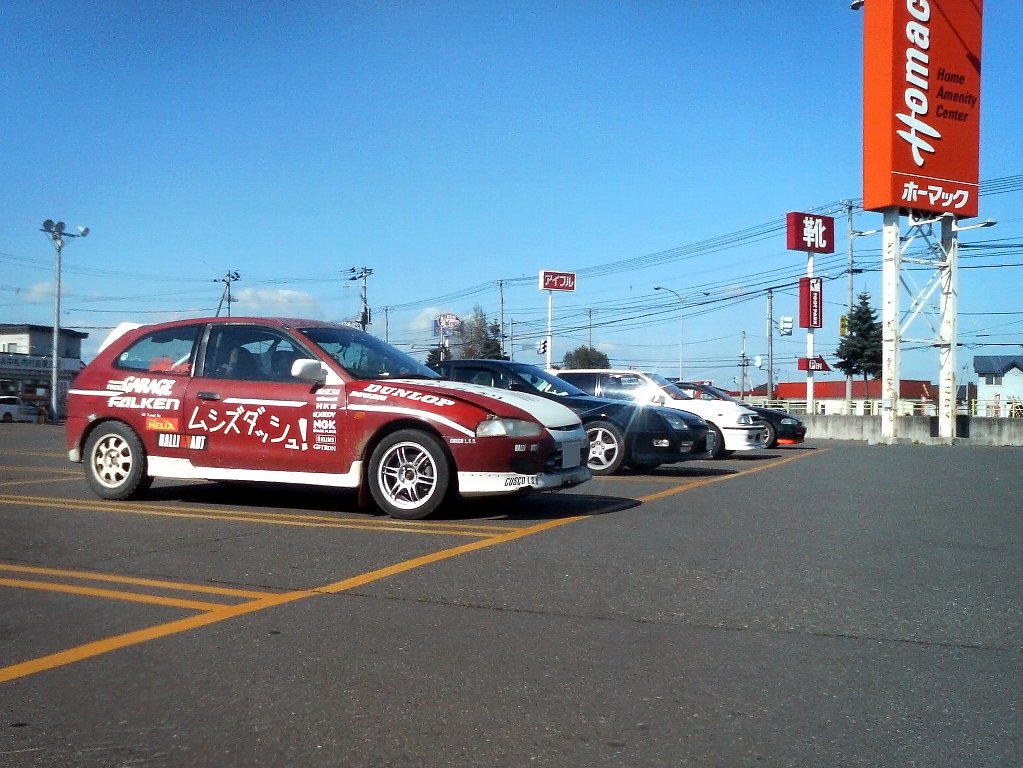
[[809, 232]]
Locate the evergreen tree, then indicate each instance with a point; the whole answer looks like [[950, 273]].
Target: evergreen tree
[[478, 337], [438, 354], [859, 351], [586, 357]]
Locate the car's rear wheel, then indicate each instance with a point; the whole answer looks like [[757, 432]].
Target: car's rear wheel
[[115, 462], [607, 448], [8, 418], [409, 474]]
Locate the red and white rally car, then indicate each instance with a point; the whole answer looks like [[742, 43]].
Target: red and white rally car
[[305, 401]]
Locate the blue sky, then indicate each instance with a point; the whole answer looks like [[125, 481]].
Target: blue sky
[[456, 149]]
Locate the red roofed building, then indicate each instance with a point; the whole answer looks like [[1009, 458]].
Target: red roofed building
[[916, 396]]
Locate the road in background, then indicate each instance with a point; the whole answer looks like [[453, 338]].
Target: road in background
[[832, 604]]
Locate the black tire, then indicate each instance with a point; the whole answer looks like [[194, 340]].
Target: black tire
[[607, 448], [409, 474], [115, 462], [719, 451], [8, 418], [772, 435]]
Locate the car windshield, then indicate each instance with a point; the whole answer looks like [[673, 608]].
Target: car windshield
[[545, 382], [717, 394], [365, 356], [668, 388]]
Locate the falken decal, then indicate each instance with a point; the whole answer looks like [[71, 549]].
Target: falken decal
[[157, 394]]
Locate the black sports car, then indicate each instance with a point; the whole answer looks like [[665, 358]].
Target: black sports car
[[782, 428], [621, 434]]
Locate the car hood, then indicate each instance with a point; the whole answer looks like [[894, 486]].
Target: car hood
[[548, 412], [713, 410]]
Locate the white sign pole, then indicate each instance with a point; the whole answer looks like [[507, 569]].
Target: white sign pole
[[809, 339], [550, 318]]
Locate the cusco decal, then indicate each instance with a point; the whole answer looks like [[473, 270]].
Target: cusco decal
[[510, 482]]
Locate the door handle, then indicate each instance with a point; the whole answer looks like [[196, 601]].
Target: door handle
[[208, 396]]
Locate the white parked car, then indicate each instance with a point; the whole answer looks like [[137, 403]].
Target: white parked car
[[13, 409], [737, 428]]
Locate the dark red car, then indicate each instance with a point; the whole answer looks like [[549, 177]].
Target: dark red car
[[303, 401]]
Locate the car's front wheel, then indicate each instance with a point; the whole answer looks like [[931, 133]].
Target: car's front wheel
[[607, 448], [772, 435], [115, 462], [719, 451], [409, 474]]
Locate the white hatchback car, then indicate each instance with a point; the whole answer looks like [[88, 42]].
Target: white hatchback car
[[13, 409], [737, 428]]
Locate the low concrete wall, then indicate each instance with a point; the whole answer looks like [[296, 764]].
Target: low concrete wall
[[970, 430]]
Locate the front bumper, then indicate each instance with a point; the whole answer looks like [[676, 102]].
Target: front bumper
[[674, 447], [503, 483], [745, 438]]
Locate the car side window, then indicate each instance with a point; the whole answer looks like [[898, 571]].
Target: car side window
[[167, 351], [250, 353], [585, 381], [622, 387]]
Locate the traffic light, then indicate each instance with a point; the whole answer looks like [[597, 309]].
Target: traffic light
[[843, 325], [541, 347], [785, 325]]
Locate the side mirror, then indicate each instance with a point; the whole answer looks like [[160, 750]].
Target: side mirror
[[307, 369]]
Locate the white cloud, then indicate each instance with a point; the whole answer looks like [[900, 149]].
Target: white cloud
[[274, 303]]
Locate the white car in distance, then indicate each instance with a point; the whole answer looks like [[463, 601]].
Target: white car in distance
[[737, 428]]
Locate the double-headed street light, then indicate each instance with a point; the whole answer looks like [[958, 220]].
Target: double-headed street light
[[55, 231], [681, 319]]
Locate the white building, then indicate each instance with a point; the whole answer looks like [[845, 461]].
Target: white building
[[999, 385], [25, 362]]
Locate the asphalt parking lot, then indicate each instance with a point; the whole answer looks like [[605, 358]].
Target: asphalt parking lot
[[829, 604]]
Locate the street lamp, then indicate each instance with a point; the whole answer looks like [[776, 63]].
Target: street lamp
[[55, 231], [681, 319]]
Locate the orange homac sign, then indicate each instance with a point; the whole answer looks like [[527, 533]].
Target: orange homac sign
[[921, 105]]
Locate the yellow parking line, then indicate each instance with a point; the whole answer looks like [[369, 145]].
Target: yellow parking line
[[719, 478], [106, 645], [434, 528], [109, 594], [133, 580], [222, 613]]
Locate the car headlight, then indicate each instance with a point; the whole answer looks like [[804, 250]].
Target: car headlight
[[495, 427], [746, 420], [789, 421], [675, 422]]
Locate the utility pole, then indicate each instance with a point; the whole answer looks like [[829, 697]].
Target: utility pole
[[743, 365], [770, 345], [56, 232], [500, 289], [225, 296], [362, 273]]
